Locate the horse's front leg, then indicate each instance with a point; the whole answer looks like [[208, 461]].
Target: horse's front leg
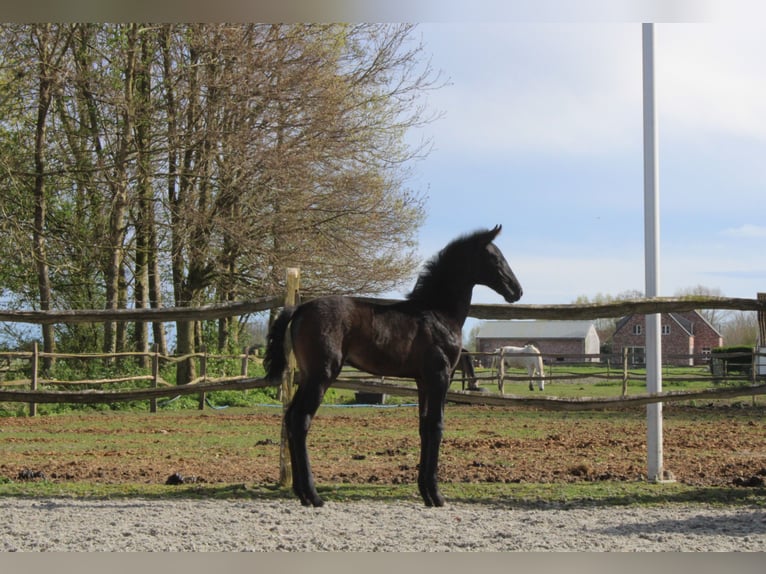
[[432, 394]]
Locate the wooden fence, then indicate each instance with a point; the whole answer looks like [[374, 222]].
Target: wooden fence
[[562, 367], [155, 379], [242, 382]]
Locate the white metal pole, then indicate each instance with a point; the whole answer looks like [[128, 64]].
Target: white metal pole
[[652, 259]]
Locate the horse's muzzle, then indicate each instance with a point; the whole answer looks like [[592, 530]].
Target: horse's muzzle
[[514, 295]]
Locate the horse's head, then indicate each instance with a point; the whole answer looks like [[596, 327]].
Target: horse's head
[[467, 261], [493, 270]]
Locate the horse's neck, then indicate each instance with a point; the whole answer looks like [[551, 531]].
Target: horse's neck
[[453, 301], [457, 305]]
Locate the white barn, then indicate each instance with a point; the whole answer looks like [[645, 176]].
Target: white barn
[[558, 341]]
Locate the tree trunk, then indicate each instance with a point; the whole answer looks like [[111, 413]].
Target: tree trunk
[[145, 215], [119, 200], [45, 86]]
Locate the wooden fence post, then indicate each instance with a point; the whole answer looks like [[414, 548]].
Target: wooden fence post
[[243, 370], [203, 374], [155, 376], [759, 360], [291, 299], [35, 363], [624, 371]]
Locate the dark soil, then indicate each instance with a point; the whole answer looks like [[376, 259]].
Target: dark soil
[[706, 446]]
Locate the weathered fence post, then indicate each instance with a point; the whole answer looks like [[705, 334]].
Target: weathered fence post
[[203, 374], [243, 370], [291, 299], [35, 363], [155, 376], [624, 371]]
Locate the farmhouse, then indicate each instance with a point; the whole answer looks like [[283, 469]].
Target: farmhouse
[[560, 341], [687, 338]]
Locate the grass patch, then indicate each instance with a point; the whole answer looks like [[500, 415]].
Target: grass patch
[[525, 495]]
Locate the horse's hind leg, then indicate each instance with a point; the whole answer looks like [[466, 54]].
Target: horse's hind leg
[[298, 416]]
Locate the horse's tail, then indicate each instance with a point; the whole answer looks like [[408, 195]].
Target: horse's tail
[[275, 358]]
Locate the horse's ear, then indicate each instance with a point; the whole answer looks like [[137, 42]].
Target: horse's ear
[[494, 232]]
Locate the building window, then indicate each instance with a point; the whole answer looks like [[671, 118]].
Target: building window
[[666, 329], [637, 329], [636, 355]]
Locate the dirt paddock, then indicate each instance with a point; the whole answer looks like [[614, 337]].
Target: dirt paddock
[[381, 447]]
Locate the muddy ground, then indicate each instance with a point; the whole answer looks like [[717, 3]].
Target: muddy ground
[[721, 446]]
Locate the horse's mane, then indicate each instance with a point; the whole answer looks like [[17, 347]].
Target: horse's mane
[[448, 265]]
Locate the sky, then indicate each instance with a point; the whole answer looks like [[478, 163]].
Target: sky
[[542, 132]]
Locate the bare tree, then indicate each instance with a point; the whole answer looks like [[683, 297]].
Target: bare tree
[[740, 328], [50, 43], [606, 327], [716, 317], [204, 159]]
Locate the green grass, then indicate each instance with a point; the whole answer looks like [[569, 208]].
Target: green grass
[[512, 495]]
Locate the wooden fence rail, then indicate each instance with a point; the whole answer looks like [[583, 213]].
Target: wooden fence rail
[[358, 384], [203, 313], [92, 396], [34, 395], [515, 311], [210, 312]]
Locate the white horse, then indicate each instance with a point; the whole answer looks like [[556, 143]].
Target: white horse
[[527, 357]]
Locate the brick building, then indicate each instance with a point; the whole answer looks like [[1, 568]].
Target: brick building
[[687, 338], [558, 341]]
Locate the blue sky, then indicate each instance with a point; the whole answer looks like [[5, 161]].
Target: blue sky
[[542, 132]]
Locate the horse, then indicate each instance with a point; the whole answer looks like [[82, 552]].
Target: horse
[[465, 366], [419, 337], [526, 357]]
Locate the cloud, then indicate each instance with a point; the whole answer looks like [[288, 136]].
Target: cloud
[[710, 78], [544, 88], [746, 231], [576, 89]]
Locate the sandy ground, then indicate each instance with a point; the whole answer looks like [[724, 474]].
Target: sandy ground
[[60, 524]]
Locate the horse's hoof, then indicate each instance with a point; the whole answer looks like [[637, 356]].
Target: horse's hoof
[[315, 502], [437, 499], [432, 498], [308, 499]]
